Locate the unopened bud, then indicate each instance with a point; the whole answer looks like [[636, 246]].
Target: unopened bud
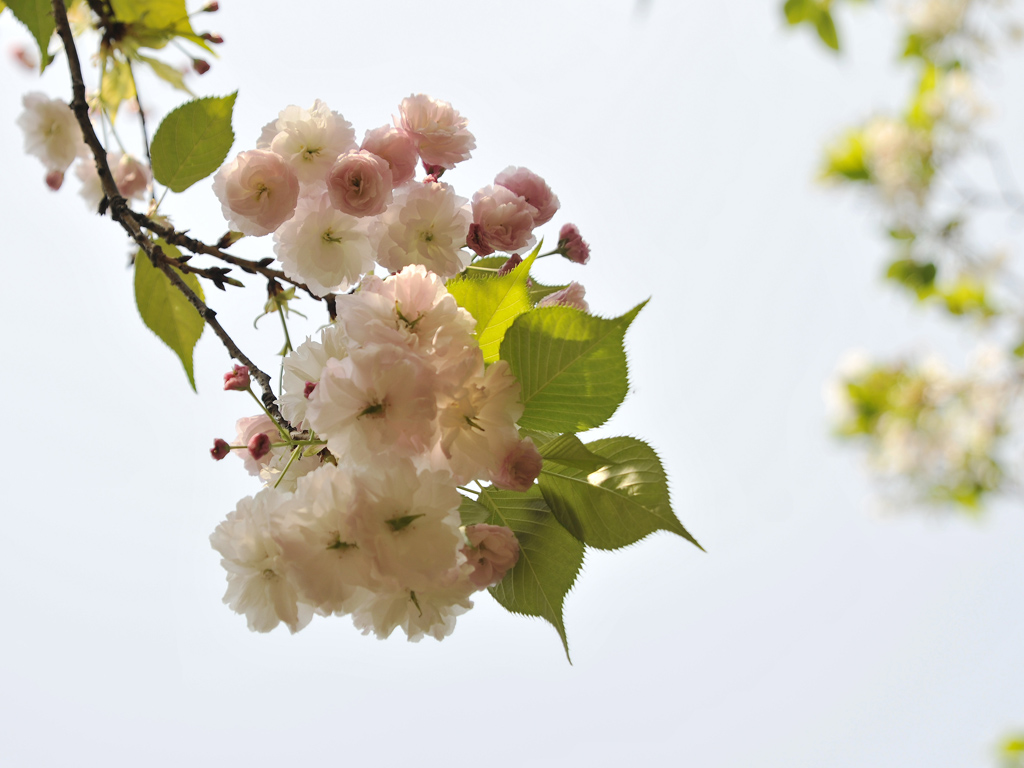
[[237, 379], [24, 57], [259, 445], [54, 179], [212, 38], [310, 386], [220, 449], [476, 242], [513, 261], [229, 238], [200, 66], [433, 171], [211, 7]]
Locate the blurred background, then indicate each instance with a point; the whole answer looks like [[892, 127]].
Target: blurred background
[[821, 628]]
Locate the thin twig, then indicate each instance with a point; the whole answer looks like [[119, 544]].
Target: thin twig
[[123, 215]]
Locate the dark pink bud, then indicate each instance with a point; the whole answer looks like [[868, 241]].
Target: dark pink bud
[[259, 445], [475, 241], [237, 379], [54, 179], [572, 246], [308, 390], [433, 171], [220, 449], [513, 261], [212, 7], [212, 38], [200, 66]]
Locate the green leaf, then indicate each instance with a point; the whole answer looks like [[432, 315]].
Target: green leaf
[[827, 30], [571, 367], [846, 158], [539, 291], [798, 11], [483, 268], [192, 142], [616, 505], [472, 512], [167, 73], [154, 23], [549, 557], [917, 276], [117, 85], [495, 302], [37, 15], [165, 310], [569, 450]]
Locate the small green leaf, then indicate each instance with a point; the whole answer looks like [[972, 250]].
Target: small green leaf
[[616, 505], [571, 367], [37, 15], [798, 11], [192, 142], [117, 85], [483, 268], [495, 302], [568, 450], [165, 310], [550, 558], [472, 512], [827, 30], [539, 291], [846, 158], [917, 276], [167, 73], [154, 23]]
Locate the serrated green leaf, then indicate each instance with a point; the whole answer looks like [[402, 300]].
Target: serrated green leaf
[[495, 302], [538, 291], [483, 268], [473, 512], [569, 450], [165, 310], [571, 367], [37, 16], [616, 505], [167, 73], [550, 558], [192, 142], [117, 85]]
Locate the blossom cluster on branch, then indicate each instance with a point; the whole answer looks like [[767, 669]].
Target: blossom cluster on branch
[[425, 445]]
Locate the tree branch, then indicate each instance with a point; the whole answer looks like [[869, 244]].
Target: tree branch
[[123, 215]]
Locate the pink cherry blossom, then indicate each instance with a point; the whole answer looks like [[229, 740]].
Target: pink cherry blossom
[[502, 221], [237, 379], [493, 551], [533, 189], [397, 148], [439, 130], [359, 183], [258, 192], [520, 467], [570, 296], [427, 224]]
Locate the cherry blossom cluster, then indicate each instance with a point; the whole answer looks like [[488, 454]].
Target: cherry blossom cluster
[[53, 136], [396, 409], [336, 208]]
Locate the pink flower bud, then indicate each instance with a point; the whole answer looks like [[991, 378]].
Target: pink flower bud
[[572, 246], [259, 446], [513, 261], [200, 66], [24, 57], [520, 467], [220, 449], [212, 7], [434, 172], [54, 179], [397, 148], [130, 175], [359, 183], [570, 296], [212, 38], [237, 379], [308, 389], [493, 550], [531, 188]]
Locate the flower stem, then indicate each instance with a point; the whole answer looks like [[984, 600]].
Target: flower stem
[[288, 465]]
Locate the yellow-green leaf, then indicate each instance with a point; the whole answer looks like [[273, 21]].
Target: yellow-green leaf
[[192, 142], [165, 310], [37, 16], [117, 85]]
